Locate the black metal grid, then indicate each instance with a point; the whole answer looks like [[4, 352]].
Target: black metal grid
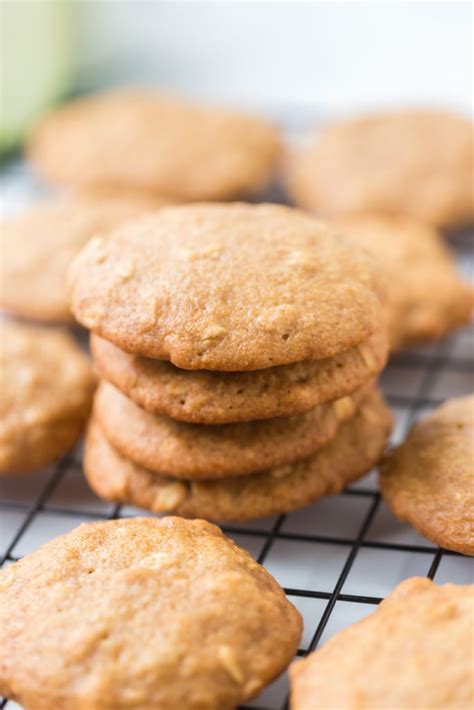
[[432, 366], [429, 365]]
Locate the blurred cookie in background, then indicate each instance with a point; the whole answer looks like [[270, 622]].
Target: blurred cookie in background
[[426, 298], [428, 481], [47, 386], [146, 140], [413, 162], [38, 245]]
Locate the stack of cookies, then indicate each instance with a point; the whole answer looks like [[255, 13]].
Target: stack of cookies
[[238, 346]]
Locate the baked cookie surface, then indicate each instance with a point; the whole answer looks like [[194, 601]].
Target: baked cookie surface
[[39, 244], [426, 298], [47, 385], [428, 481], [417, 163], [428, 627], [206, 451], [142, 613], [356, 447], [226, 287], [148, 141], [212, 397]]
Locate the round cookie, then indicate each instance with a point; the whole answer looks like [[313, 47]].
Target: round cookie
[[212, 397], [356, 447], [425, 296], [47, 386], [417, 163], [226, 287], [428, 481], [427, 626], [142, 613], [39, 244], [206, 451], [148, 141]]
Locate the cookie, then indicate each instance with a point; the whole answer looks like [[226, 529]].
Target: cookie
[[145, 140], [226, 287], [38, 246], [142, 613], [356, 447], [428, 481], [195, 451], [47, 386], [426, 298], [212, 397], [417, 163], [428, 628]]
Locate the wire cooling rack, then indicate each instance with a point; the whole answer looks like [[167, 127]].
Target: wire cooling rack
[[335, 559]]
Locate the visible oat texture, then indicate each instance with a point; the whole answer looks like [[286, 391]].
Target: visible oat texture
[[205, 451], [47, 385], [356, 447], [212, 397], [426, 627], [38, 245], [142, 613], [428, 480], [226, 287]]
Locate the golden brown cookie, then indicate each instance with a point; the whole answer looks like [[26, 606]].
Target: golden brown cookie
[[352, 452], [425, 295], [423, 630], [142, 613], [226, 287], [47, 387], [212, 397], [39, 244], [145, 140], [417, 163], [428, 480], [207, 451]]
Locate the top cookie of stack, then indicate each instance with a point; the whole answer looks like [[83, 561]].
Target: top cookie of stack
[[226, 287], [216, 314]]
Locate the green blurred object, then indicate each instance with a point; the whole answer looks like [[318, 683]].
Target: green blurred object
[[36, 54]]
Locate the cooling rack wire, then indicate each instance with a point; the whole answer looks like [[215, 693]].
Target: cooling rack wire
[[335, 559]]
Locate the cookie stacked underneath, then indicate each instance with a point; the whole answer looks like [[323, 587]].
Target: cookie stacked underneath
[[238, 346]]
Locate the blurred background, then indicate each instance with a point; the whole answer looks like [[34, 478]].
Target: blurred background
[[325, 57]]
